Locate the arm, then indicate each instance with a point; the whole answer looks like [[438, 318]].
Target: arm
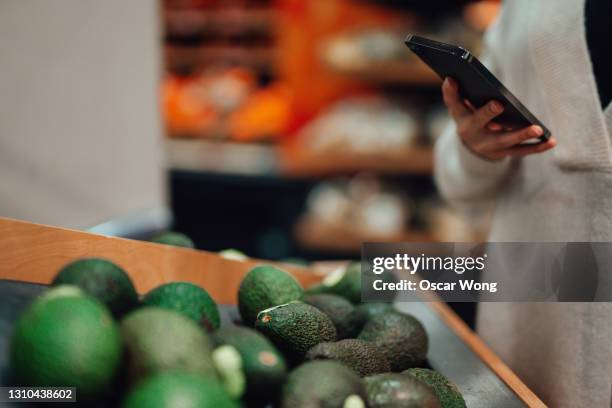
[[473, 155]]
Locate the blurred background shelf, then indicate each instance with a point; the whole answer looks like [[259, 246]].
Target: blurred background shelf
[[228, 22], [391, 73], [416, 160], [341, 237], [189, 58], [223, 156]]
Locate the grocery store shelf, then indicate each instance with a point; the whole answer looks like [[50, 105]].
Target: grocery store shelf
[[339, 237], [225, 21], [180, 57], [413, 73], [416, 160], [199, 155], [216, 156]]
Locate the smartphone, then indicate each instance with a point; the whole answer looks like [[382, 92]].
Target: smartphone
[[476, 83]]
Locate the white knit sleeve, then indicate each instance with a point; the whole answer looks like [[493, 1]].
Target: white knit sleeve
[[461, 176]]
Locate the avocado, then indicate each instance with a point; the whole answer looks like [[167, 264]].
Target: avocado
[[394, 390], [343, 314], [371, 310], [264, 367], [263, 287], [295, 328], [103, 280], [447, 392], [323, 384], [174, 389], [187, 299], [345, 282], [173, 238], [361, 356], [157, 340], [400, 337], [233, 254], [66, 340]]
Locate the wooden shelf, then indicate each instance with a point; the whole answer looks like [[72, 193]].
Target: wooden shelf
[[345, 238], [417, 160]]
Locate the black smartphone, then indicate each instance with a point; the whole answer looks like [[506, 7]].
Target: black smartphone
[[476, 83]]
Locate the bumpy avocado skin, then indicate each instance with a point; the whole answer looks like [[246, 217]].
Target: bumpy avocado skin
[[264, 367], [361, 356], [188, 299], [321, 384], [263, 287], [295, 328], [393, 390], [103, 280], [400, 337], [371, 310], [347, 319], [447, 392]]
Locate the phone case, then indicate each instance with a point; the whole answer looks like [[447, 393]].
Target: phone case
[[476, 83]]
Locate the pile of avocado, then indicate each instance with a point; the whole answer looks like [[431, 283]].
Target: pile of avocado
[[295, 348]]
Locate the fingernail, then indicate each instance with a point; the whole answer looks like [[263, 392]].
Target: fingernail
[[496, 107], [446, 83], [536, 131]]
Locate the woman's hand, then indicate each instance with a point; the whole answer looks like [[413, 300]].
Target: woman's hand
[[484, 137]]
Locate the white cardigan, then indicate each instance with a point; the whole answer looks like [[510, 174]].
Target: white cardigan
[[563, 351]]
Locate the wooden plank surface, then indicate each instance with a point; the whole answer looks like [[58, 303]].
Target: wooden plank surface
[[35, 253]]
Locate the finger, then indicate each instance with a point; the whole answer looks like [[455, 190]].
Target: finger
[[521, 151], [494, 127], [469, 105], [510, 139], [450, 94], [485, 114]]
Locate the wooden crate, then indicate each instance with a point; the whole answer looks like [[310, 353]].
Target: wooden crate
[[34, 253]]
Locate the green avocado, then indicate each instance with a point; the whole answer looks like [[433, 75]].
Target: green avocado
[[264, 367], [347, 319], [157, 340], [400, 337], [178, 389], [263, 287], [173, 238], [103, 280], [323, 384], [393, 390], [371, 310], [361, 356], [345, 282], [447, 392], [295, 328], [66, 339], [189, 300]]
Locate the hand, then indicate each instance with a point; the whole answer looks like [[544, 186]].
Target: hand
[[484, 137]]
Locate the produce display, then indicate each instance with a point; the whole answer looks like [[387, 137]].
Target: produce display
[[319, 347]]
